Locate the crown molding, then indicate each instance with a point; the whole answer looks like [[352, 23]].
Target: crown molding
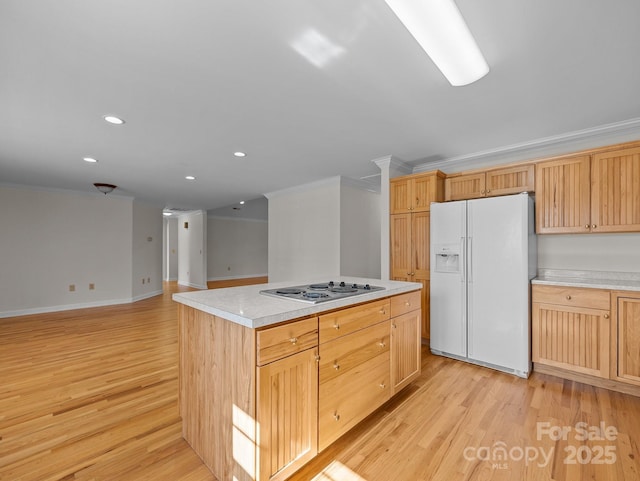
[[389, 161], [566, 143]]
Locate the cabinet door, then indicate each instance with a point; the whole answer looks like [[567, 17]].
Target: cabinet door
[[469, 186], [287, 414], [405, 349], [512, 180], [615, 191], [425, 191], [572, 338], [628, 333], [400, 196], [562, 196], [420, 233], [401, 247]]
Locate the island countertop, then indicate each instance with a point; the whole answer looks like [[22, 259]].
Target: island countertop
[[246, 306]]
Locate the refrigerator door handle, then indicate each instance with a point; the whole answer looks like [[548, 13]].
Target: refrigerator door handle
[[470, 258], [463, 269]]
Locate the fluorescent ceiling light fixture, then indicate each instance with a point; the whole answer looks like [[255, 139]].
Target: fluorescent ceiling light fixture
[[167, 214], [190, 177], [112, 119], [91, 160], [441, 31], [239, 154]]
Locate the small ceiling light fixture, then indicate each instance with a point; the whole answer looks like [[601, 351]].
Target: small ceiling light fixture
[[190, 177], [242, 202], [239, 154], [167, 214], [91, 160], [105, 188], [112, 119], [441, 31]]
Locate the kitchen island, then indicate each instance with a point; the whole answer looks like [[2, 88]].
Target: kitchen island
[[266, 383]]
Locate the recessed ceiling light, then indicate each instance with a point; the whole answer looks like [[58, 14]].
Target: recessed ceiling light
[[91, 160], [242, 202], [166, 213], [190, 177], [112, 119], [239, 154]]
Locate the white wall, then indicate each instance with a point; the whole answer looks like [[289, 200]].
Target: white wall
[[236, 248], [147, 250], [50, 240], [304, 232], [596, 252], [310, 225], [359, 232], [171, 249], [192, 254]]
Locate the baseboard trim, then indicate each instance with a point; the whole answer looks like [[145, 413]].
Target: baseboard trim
[[232, 278], [586, 379], [80, 305]]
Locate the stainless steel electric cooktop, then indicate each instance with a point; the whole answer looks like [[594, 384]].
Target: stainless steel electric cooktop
[[321, 292]]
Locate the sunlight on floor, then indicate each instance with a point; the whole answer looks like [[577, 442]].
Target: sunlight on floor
[[337, 471]]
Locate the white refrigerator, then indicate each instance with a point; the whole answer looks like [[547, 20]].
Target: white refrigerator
[[483, 256]]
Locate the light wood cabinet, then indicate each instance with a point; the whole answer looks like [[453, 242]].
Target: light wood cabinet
[[626, 337], [615, 191], [493, 182], [414, 193], [287, 406], [405, 350], [354, 380], [583, 194], [570, 329], [410, 241]]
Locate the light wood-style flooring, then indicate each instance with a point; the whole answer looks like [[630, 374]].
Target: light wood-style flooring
[[91, 394]]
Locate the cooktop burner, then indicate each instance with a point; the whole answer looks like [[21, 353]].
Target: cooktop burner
[[325, 291]]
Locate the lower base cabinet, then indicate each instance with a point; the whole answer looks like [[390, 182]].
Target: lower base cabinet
[[258, 404], [626, 336]]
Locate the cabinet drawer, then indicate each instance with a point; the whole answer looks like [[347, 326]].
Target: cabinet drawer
[[345, 321], [405, 303], [571, 296], [278, 342], [341, 355], [347, 399]]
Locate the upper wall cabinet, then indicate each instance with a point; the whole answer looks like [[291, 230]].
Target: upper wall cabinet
[[509, 180], [615, 191], [414, 193], [599, 193]]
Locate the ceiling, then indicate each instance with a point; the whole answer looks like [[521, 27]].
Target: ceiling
[[308, 89]]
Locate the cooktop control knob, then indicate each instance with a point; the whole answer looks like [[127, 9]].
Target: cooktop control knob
[[330, 283], [367, 287], [342, 284]]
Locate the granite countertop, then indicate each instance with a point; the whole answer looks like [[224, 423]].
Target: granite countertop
[[622, 281], [246, 306]]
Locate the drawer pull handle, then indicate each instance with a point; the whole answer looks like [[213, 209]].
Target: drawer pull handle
[[293, 340], [336, 416], [336, 366], [336, 326], [382, 385], [393, 325], [568, 297], [587, 226], [407, 303], [382, 311], [594, 226], [606, 316], [381, 344]]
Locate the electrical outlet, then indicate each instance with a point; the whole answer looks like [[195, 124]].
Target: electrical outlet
[[72, 287], [92, 286], [143, 280]]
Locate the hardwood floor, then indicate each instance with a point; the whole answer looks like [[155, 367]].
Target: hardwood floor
[[91, 394]]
